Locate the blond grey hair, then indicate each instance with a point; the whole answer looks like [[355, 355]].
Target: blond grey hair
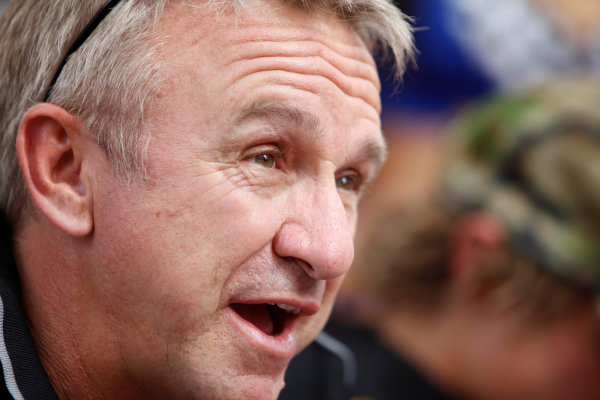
[[110, 81]]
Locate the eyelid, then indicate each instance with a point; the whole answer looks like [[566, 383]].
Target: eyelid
[[356, 176], [269, 148]]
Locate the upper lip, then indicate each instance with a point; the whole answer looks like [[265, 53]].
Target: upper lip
[[304, 306]]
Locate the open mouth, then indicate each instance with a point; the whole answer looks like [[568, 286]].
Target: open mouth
[[271, 319]]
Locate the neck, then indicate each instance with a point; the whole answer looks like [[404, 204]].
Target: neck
[[67, 335]]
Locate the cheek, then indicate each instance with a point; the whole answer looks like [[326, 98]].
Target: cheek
[[215, 222], [234, 228], [167, 233]]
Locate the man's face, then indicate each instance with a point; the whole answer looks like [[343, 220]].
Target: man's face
[[263, 135]]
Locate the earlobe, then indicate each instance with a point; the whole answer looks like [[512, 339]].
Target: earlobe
[[51, 149]]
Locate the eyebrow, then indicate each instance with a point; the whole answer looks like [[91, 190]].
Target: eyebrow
[[372, 150], [268, 109]]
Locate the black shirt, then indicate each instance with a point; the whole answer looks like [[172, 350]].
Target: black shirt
[[357, 367]]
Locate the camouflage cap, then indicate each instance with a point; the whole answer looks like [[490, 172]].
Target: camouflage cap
[[497, 163]]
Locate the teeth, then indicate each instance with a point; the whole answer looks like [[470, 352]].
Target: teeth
[[288, 308]]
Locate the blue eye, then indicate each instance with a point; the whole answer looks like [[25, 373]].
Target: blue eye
[[346, 183], [266, 160]]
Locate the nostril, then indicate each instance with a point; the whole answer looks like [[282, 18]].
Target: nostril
[[308, 266], [305, 265]]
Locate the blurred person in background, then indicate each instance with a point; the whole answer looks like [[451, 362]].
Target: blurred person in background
[[492, 289]]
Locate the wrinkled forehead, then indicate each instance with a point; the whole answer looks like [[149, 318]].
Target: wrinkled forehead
[[228, 37], [257, 20]]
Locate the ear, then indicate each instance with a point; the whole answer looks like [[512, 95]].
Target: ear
[[51, 149], [475, 236]]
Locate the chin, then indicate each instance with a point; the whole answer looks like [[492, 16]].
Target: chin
[[259, 388]]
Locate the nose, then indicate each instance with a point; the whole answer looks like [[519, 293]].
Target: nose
[[317, 233]]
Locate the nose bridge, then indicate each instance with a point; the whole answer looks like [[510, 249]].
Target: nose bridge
[[318, 232]]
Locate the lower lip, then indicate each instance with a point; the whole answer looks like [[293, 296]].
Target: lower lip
[[280, 346]]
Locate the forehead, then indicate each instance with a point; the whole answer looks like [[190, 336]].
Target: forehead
[[185, 17], [265, 32]]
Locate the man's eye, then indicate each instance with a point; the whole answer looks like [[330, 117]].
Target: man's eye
[[346, 183], [266, 160]]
